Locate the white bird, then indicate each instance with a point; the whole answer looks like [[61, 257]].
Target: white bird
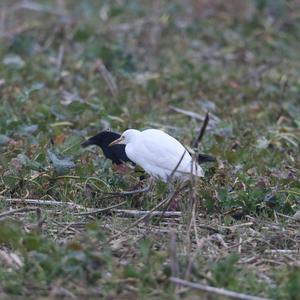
[[158, 154]]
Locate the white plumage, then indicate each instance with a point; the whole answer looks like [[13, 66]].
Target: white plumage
[[158, 154]]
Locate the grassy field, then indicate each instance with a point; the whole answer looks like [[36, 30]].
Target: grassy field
[[69, 69]]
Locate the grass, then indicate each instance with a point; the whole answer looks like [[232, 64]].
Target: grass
[[239, 227]]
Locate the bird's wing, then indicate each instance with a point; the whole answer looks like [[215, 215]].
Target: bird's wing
[[159, 149]]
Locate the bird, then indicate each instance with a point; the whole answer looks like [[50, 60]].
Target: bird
[[115, 153], [158, 153]]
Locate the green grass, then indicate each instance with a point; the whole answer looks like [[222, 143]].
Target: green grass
[[237, 59]]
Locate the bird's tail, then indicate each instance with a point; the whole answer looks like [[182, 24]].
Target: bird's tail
[[202, 158]]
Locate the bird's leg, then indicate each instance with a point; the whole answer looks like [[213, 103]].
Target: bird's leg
[[171, 200], [170, 186], [150, 185], [171, 189]]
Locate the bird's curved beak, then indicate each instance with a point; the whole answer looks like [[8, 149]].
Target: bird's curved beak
[[117, 141]]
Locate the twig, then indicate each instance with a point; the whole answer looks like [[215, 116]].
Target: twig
[[248, 224], [50, 39], [107, 77], [269, 261], [260, 70], [10, 259], [40, 202], [61, 292], [197, 141], [193, 115], [173, 254], [240, 245], [289, 217], [177, 166], [35, 6], [60, 57], [190, 255], [19, 29], [281, 251], [139, 213], [192, 199], [208, 227], [101, 210], [188, 113], [192, 258], [64, 230], [3, 191], [214, 290], [129, 193], [16, 211]]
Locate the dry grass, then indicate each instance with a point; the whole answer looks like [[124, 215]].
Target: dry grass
[[68, 229]]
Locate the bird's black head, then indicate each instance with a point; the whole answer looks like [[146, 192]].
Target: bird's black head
[[102, 139], [115, 153]]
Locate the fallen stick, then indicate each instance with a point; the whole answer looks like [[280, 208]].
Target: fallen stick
[[129, 193], [248, 224], [188, 113], [194, 115], [260, 70], [214, 290], [208, 227], [100, 210], [173, 254], [16, 211], [281, 251], [139, 213], [107, 77], [64, 230], [40, 202], [37, 7], [10, 259]]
